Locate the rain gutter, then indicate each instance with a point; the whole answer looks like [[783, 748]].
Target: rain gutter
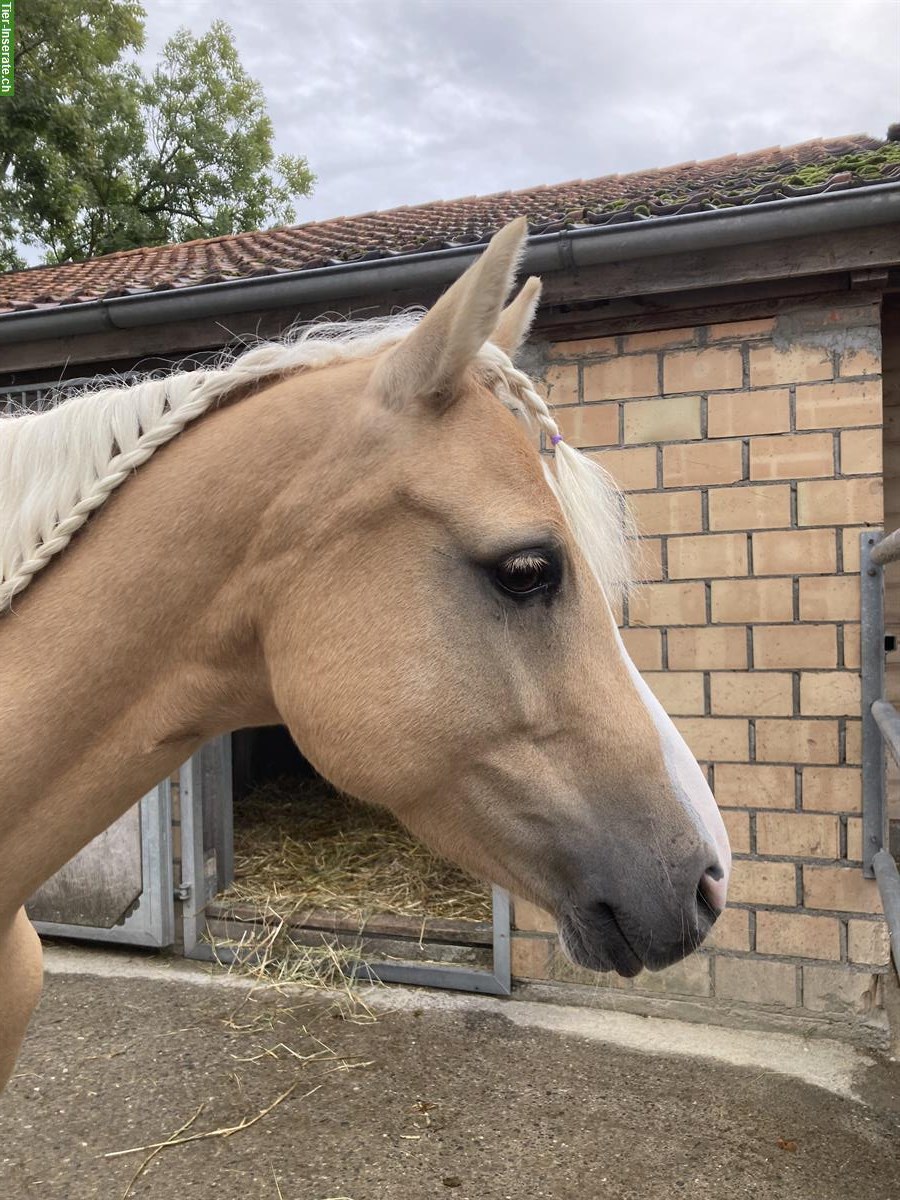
[[568, 250]]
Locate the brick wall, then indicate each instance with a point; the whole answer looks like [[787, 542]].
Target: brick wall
[[751, 452]]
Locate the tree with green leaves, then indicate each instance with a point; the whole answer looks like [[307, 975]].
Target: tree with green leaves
[[96, 157]]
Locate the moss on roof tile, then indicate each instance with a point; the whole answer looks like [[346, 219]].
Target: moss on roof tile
[[866, 164]]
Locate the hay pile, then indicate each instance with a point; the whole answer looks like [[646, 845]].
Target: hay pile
[[299, 845]]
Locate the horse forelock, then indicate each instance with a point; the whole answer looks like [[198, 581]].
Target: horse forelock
[[593, 504], [60, 464]]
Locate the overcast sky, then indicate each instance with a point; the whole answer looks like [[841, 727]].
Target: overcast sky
[[404, 101]]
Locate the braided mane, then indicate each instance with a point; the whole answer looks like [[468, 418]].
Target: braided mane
[[60, 464]]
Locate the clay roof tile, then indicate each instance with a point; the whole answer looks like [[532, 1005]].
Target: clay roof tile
[[731, 180]]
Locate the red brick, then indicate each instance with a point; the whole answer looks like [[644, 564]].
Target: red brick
[[792, 456], [798, 935], [842, 889], [751, 694], [799, 835], [589, 424], [754, 785], [752, 600], [829, 693], [696, 463], [837, 405], [832, 789], [582, 348], [561, 385], [839, 501], [715, 739], [761, 882], [795, 646], [621, 378], [737, 826], [868, 942], [731, 931], [709, 370], [658, 339], [707, 646], [632, 469], [679, 692], [829, 598], [706, 556], [668, 604], [791, 364], [668, 512], [741, 414], [644, 648], [796, 741], [795, 552], [765, 506], [666, 420], [839, 991], [739, 330], [753, 981]]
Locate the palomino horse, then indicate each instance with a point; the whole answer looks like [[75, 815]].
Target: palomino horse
[[355, 536]]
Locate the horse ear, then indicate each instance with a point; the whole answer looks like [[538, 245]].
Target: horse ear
[[430, 363], [516, 319]]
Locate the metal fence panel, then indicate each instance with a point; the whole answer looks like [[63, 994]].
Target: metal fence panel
[[872, 669]]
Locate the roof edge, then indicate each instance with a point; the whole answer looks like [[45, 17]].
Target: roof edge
[[569, 249]]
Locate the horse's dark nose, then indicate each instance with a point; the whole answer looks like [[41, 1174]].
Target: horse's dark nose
[[645, 912]]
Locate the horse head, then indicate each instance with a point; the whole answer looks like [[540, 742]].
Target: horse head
[[440, 639]]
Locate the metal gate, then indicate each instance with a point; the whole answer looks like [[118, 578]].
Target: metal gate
[[880, 727], [119, 887], [122, 886], [205, 797]]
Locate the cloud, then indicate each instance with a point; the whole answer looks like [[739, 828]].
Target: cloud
[[405, 101]]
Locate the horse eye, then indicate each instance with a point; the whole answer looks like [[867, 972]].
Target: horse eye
[[525, 574]]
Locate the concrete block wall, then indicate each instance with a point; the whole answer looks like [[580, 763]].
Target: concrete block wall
[[751, 454]]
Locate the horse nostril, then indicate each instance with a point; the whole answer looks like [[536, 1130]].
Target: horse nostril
[[709, 896]]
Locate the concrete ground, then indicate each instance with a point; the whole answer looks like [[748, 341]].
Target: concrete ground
[[438, 1096]]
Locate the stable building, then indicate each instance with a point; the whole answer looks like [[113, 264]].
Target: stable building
[[724, 337]]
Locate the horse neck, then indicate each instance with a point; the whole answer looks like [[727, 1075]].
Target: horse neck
[[141, 641]]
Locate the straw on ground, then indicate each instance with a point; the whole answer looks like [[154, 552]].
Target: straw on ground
[[299, 845]]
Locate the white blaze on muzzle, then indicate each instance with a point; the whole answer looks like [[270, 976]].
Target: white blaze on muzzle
[[688, 783]]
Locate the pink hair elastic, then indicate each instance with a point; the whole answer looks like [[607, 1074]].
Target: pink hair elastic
[[556, 439]]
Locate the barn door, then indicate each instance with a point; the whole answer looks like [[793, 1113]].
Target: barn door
[[119, 887], [207, 837]]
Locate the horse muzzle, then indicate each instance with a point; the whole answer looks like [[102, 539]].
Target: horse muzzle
[[627, 934]]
